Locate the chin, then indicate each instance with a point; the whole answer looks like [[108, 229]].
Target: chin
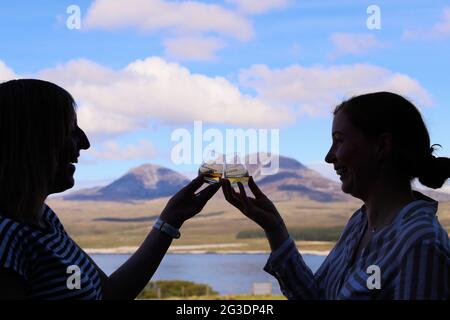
[[347, 188], [68, 185], [62, 186], [353, 192]]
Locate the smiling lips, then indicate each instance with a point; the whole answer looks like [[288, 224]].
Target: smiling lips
[[340, 171], [75, 160], [71, 164]]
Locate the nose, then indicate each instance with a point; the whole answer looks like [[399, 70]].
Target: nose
[[83, 142], [330, 157]]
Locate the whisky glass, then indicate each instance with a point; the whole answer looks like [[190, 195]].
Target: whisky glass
[[213, 167], [235, 169]]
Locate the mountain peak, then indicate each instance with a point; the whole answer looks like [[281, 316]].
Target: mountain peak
[[145, 182], [150, 181], [292, 179], [151, 174]]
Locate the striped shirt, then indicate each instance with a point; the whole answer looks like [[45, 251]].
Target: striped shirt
[[409, 258], [49, 262]]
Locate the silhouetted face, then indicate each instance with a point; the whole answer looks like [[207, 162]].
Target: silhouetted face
[[65, 170], [353, 156]]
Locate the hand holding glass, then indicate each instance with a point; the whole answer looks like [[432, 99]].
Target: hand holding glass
[[216, 166]]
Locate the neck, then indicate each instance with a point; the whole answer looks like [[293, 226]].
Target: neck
[[384, 201], [37, 218]]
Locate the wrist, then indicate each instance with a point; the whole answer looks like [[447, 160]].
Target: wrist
[[167, 228], [176, 223], [275, 227], [277, 236]]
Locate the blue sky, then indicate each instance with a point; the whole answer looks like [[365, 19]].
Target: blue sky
[[232, 64]]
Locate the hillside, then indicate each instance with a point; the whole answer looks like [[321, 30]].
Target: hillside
[[145, 182], [122, 213]]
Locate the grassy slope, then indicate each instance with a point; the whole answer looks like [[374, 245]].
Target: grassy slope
[[218, 223]]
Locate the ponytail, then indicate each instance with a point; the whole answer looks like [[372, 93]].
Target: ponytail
[[435, 171], [386, 112]]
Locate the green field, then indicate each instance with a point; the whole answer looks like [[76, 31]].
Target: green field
[[186, 290], [126, 224]]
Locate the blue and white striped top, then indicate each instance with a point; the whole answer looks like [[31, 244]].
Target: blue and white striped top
[[412, 254], [50, 263]]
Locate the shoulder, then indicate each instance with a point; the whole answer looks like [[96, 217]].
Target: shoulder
[[420, 227], [12, 232], [356, 217], [14, 246], [52, 218]]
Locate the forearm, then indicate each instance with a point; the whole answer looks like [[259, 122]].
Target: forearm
[[296, 280], [129, 280], [277, 236]]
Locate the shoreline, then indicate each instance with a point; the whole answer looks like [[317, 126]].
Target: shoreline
[[196, 249]]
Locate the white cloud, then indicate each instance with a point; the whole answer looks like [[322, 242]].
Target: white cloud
[[180, 17], [193, 48], [353, 43], [6, 73], [440, 29], [112, 102], [187, 26], [77, 71], [258, 6], [443, 28], [316, 90], [111, 150], [103, 123], [193, 30]]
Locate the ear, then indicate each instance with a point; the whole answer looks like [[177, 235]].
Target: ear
[[384, 146]]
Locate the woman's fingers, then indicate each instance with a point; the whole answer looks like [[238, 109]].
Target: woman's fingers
[[208, 192], [255, 189], [194, 184], [243, 195], [230, 194]]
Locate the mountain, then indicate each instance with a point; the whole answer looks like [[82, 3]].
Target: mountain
[[293, 179], [148, 181], [142, 183]]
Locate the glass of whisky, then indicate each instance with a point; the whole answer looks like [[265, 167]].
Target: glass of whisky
[[235, 169], [212, 167]]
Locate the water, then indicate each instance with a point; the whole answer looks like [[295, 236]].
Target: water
[[225, 273]]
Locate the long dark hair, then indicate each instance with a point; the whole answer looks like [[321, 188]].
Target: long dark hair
[[386, 112], [35, 116]]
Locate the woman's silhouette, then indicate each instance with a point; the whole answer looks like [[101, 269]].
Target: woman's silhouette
[[39, 142], [394, 246]]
